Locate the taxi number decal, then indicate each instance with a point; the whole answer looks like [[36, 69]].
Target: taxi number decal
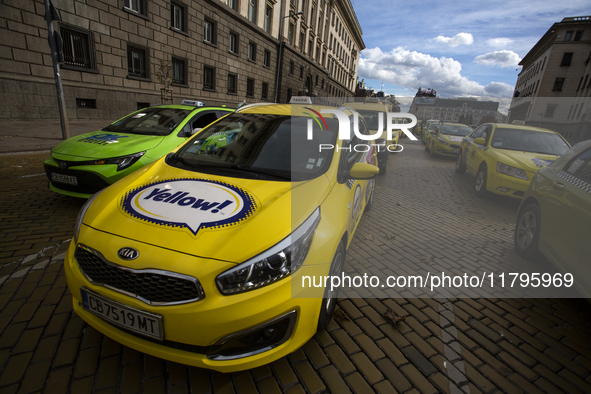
[[194, 204]]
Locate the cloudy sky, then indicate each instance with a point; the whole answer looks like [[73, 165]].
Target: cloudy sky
[[458, 48]]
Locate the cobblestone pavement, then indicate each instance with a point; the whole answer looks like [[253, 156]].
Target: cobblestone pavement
[[424, 215]]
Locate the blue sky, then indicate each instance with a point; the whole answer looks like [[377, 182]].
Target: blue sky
[[459, 48]]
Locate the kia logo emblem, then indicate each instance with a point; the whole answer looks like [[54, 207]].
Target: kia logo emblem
[[128, 253]]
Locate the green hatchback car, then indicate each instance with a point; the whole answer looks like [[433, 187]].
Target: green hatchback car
[[85, 164]]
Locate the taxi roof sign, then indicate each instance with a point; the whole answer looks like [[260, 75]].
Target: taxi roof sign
[[300, 100], [193, 103]]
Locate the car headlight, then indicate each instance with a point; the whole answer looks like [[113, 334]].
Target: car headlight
[[122, 162], [442, 141], [511, 171], [272, 265], [81, 214]]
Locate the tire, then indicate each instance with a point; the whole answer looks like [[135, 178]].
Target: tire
[[480, 182], [527, 231], [460, 166], [369, 204], [329, 301], [383, 169]]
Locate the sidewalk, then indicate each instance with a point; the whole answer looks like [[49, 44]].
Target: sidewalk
[[40, 135]]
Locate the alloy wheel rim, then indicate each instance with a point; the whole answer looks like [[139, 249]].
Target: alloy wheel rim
[[526, 230], [479, 180]]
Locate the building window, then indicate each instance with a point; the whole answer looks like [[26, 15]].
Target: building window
[[209, 32], [265, 90], [234, 43], [232, 83], [290, 33], [252, 10], [558, 85], [291, 67], [86, 103], [208, 78], [316, 82], [178, 17], [179, 71], [138, 6], [301, 72], [268, 18], [568, 35], [578, 35], [302, 42], [249, 87], [233, 4], [550, 111], [252, 51], [289, 95], [267, 58], [77, 48], [137, 62], [567, 59]]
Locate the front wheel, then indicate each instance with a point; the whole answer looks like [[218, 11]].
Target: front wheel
[[480, 182], [527, 231], [329, 301], [369, 204], [460, 166]]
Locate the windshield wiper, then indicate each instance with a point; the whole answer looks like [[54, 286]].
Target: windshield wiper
[[271, 173]]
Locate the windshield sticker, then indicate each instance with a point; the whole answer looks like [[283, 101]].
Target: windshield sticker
[[194, 204], [103, 139], [541, 163], [454, 138]]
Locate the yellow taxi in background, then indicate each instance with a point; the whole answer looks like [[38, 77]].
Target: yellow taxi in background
[[193, 258], [554, 218], [430, 125], [504, 157], [446, 138], [371, 112]]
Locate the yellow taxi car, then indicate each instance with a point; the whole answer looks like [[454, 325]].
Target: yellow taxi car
[[554, 218], [371, 113], [504, 157], [197, 258], [430, 125], [446, 138]]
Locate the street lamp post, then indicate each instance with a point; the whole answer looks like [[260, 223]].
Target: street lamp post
[[279, 54]]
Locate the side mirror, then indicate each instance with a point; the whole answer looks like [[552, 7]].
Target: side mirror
[[363, 171], [479, 141]]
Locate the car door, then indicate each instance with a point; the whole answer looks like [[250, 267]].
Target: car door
[[566, 218], [470, 148]]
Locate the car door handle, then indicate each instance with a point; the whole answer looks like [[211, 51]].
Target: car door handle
[[557, 185]]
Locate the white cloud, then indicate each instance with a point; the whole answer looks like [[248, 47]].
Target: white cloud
[[502, 58], [499, 42], [458, 39], [411, 69]]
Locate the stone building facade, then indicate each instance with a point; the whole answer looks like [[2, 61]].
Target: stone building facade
[[553, 90], [221, 52], [455, 109]]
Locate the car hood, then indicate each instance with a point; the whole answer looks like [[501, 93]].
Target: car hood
[[104, 144], [528, 161], [208, 216]]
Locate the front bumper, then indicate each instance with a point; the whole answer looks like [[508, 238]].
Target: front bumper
[[194, 329], [449, 150], [506, 185], [89, 178]]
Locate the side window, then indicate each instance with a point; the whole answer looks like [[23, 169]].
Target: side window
[[479, 132], [581, 166], [203, 119]]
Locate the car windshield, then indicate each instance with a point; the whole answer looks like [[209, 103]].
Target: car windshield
[[529, 141], [372, 118], [259, 145], [150, 121], [455, 130]]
